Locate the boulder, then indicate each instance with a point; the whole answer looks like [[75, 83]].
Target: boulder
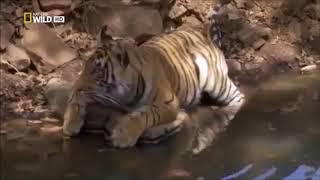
[[191, 21], [309, 69], [244, 4], [252, 34], [48, 50], [19, 12], [48, 5], [18, 57], [123, 21], [177, 11], [279, 52], [295, 29], [313, 11], [6, 32], [56, 93], [234, 66]]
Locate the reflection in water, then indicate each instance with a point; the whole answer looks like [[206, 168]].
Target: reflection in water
[[277, 132]]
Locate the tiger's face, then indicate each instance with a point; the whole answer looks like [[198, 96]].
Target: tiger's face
[[112, 74]]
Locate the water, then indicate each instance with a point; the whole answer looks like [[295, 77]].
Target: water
[[276, 132]]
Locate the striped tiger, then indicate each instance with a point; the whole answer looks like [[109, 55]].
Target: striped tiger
[[148, 88]]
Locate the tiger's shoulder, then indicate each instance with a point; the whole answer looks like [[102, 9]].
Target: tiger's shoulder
[[195, 33]]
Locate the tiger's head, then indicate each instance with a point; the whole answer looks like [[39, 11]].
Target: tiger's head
[[113, 77]]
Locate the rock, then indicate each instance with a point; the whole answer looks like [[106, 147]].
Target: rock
[[308, 69], [177, 11], [258, 44], [34, 122], [313, 30], [54, 4], [49, 51], [57, 92], [234, 66], [295, 29], [252, 34], [201, 8], [7, 8], [50, 120], [252, 66], [128, 21], [232, 12], [244, 4], [68, 72], [51, 129], [313, 11], [177, 173], [18, 57], [258, 59], [19, 12], [6, 32], [201, 178], [3, 132], [293, 7], [240, 3], [279, 52], [191, 21], [149, 1]]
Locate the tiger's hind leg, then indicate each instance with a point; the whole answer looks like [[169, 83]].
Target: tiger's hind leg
[[225, 100], [158, 133], [225, 96]]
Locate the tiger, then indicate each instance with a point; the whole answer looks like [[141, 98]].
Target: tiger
[[148, 88]]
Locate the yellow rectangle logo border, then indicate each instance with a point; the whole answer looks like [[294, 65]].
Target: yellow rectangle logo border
[[25, 15]]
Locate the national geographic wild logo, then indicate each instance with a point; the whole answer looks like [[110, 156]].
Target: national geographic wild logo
[[29, 17]]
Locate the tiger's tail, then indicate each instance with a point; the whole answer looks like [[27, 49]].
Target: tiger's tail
[[214, 33]]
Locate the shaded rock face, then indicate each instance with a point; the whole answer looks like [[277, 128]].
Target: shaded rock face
[[279, 52], [57, 92], [47, 49], [18, 57], [122, 21], [6, 32], [54, 4], [251, 35]]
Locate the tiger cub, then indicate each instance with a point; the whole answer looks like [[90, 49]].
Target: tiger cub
[[149, 85]]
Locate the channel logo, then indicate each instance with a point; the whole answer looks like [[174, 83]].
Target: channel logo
[[29, 17]]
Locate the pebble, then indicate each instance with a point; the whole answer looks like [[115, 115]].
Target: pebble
[[35, 122], [50, 120], [200, 178], [52, 129], [3, 132], [308, 68]]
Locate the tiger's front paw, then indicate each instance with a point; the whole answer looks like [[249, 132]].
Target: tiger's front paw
[[124, 132], [72, 123]]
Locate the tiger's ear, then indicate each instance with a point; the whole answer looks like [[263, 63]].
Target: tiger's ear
[[104, 37]]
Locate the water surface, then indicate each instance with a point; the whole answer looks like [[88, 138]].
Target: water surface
[[278, 129]]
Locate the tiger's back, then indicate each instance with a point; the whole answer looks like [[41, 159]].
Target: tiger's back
[[191, 63]]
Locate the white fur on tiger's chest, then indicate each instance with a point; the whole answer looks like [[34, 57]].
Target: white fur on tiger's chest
[[203, 67]]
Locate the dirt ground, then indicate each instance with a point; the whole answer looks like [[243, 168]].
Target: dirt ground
[[260, 38]]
